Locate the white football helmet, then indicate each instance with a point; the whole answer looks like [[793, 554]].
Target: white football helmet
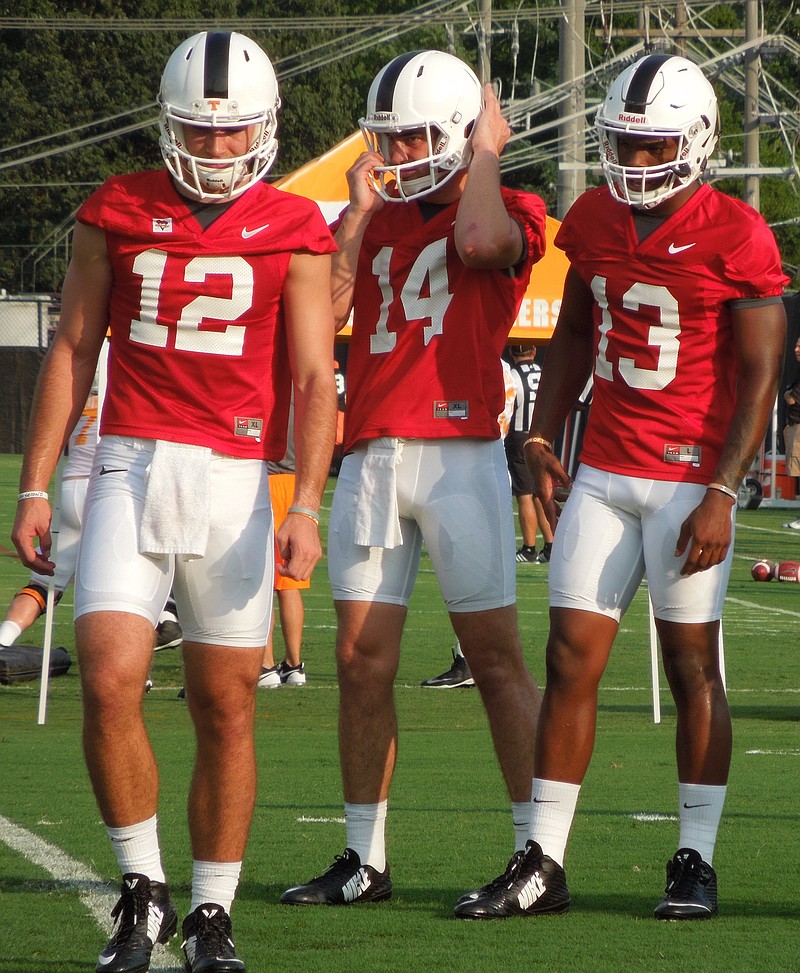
[[659, 96], [218, 80], [427, 90]]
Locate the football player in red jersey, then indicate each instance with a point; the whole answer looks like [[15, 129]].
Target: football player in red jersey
[[434, 258], [216, 287], [673, 300]]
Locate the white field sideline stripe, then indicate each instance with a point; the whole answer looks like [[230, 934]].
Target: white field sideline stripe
[[649, 818], [306, 820], [762, 530], [773, 753], [767, 611], [94, 893]]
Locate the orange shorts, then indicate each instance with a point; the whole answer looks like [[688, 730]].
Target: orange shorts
[[281, 491]]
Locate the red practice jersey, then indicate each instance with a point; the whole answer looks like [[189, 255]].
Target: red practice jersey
[[665, 357], [198, 344], [428, 331]]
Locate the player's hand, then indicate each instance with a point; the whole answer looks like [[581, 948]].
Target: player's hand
[[32, 523], [300, 547], [548, 474], [363, 197], [706, 533], [491, 130]]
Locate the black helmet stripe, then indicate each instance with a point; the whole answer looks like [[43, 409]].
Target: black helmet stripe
[[385, 94], [638, 91], [215, 69]]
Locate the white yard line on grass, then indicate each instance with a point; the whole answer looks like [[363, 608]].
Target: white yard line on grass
[[778, 531], [772, 610], [95, 894], [649, 818], [773, 753]]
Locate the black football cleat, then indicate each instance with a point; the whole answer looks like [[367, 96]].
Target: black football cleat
[[691, 891], [144, 916], [458, 676], [346, 882], [292, 675], [168, 635], [208, 943], [532, 884]]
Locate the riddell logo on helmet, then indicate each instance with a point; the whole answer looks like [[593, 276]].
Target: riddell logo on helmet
[[623, 117]]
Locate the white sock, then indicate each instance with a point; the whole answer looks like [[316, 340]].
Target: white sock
[[214, 882], [137, 850], [521, 816], [700, 813], [9, 632], [553, 805], [365, 825]]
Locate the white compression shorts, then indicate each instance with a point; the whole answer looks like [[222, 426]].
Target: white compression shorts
[[224, 597], [615, 529], [454, 495]]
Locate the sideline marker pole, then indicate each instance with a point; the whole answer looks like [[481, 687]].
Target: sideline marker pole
[[51, 597], [654, 663]]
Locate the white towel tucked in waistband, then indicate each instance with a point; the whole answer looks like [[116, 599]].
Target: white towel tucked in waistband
[[175, 519], [377, 517]]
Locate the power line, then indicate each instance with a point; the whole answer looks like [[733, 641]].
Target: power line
[[459, 16]]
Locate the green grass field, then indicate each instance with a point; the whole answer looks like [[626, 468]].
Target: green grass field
[[449, 827]]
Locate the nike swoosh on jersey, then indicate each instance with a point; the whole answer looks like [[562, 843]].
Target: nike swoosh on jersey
[[246, 234], [107, 469], [672, 248]]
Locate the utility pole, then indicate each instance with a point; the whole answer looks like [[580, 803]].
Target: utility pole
[[485, 42], [572, 176], [752, 67], [680, 29]]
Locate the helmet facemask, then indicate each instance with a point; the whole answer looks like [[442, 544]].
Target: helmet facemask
[[215, 179], [405, 181], [646, 186]]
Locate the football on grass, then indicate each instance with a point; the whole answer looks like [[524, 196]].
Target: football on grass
[[788, 571], [761, 571]]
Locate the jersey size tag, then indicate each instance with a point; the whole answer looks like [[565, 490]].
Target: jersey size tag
[[456, 409], [682, 454], [242, 426]]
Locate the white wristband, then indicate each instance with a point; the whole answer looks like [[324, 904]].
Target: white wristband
[[33, 495], [723, 489]]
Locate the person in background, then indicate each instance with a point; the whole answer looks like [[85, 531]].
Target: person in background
[[216, 289], [673, 299], [30, 602], [791, 431], [291, 671], [525, 374], [434, 258]]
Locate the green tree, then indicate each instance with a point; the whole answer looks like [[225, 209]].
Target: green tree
[[95, 86]]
